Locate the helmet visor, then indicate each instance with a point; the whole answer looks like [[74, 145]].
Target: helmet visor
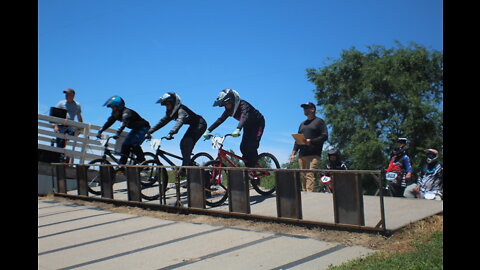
[[109, 101], [218, 103]]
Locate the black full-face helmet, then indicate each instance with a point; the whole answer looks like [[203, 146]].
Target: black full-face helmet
[[432, 155], [334, 152], [398, 151], [170, 98], [402, 140], [228, 96]]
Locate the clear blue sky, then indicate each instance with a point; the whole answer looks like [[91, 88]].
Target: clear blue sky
[[140, 49]]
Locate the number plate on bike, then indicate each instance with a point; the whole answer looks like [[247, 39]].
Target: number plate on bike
[[155, 143], [217, 142], [325, 179], [391, 176]]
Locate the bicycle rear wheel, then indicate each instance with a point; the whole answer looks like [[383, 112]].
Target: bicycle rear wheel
[[200, 159], [264, 182], [216, 192]]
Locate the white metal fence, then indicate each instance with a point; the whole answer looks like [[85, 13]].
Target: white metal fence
[[83, 146]]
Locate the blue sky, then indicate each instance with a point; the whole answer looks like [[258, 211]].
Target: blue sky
[[140, 49]]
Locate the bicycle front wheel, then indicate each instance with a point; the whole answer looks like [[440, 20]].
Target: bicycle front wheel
[[264, 182], [216, 192], [93, 180], [152, 180]]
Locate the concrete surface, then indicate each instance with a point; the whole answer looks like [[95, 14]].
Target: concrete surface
[[72, 236]]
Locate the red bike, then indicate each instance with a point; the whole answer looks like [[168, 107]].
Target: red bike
[[217, 186]]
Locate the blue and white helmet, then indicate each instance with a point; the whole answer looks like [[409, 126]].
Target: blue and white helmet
[[170, 98], [228, 96]]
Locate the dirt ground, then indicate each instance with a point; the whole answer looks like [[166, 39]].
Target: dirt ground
[[401, 241]]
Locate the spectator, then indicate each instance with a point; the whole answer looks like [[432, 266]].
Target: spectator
[[315, 131], [400, 164], [334, 163], [430, 182], [335, 160], [73, 109]]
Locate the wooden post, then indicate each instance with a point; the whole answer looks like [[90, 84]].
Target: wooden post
[[106, 179], [348, 199], [85, 143], [289, 201], [239, 195], [61, 179], [133, 184], [196, 188], [82, 180]]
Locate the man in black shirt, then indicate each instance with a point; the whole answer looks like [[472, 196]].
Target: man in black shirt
[[315, 131]]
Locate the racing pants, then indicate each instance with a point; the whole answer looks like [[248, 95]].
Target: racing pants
[[251, 141]]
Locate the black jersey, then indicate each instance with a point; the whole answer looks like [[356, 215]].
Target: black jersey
[[316, 131], [182, 116], [128, 117], [246, 115]]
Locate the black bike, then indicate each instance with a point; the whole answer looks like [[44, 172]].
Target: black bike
[[94, 169], [160, 175]]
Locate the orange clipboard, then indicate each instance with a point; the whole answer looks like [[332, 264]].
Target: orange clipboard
[[299, 139]]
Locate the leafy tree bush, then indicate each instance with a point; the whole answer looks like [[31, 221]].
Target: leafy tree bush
[[370, 98]]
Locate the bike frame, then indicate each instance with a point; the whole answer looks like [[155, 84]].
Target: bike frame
[[108, 152], [162, 154], [224, 155]]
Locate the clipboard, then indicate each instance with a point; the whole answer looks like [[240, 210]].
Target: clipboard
[[299, 139]]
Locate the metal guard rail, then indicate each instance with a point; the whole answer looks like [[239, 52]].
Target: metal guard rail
[[347, 194]]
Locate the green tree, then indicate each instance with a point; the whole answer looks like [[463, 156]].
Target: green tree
[[370, 98]]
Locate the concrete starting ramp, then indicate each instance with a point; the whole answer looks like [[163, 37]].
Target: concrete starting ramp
[[73, 236], [399, 212]]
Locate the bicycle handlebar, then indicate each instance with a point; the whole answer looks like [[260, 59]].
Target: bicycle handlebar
[[165, 137], [224, 136]]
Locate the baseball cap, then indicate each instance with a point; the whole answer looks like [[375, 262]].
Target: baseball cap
[[69, 91], [308, 105]]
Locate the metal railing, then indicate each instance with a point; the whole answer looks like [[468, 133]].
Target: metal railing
[[347, 194]]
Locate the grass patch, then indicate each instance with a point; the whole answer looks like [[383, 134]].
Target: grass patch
[[427, 254]]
